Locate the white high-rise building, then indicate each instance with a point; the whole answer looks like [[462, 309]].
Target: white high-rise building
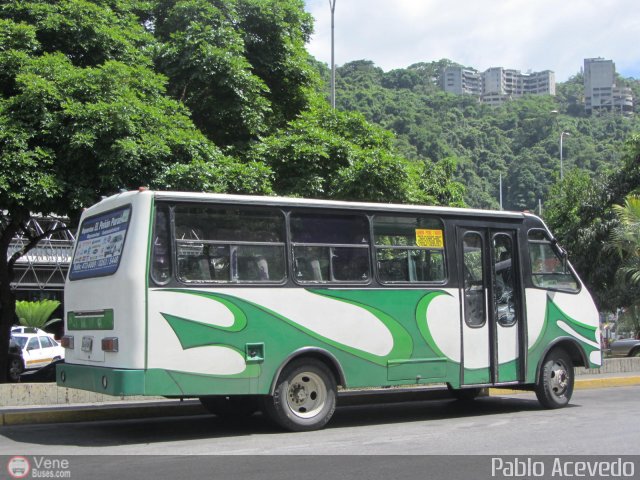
[[460, 80], [497, 85], [600, 90], [501, 84]]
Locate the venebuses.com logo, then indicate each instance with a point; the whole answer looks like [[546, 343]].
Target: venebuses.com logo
[[38, 467], [18, 467]]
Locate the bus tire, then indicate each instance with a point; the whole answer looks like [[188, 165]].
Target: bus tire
[[234, 406], [555, 382], [304, 398], [15, 369]]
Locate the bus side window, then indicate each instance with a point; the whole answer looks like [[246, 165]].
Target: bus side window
[[474, 289], [161, 256], [402, 256], [504, 281], [229, 244], [330, 248]]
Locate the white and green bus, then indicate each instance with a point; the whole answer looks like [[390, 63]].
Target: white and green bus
[[244, 301]]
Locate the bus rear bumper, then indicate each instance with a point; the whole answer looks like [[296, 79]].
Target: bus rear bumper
[[110, 381], [151, 382]]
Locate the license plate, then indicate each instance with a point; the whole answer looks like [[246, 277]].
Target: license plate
[[87, 344]]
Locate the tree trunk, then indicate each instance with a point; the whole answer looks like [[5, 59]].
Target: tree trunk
[[7, 298]]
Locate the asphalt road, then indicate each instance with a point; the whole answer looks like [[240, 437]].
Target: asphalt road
[[598, 422]]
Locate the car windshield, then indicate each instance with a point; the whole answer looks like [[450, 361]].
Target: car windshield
[[21, 341]]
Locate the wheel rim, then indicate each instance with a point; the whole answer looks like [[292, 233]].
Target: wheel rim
[[306, 395], [559, 378]]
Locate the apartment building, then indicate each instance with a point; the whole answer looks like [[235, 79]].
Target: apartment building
[[497, 85], [600, 90], [461, 81]]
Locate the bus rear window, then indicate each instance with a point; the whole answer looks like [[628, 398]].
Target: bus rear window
[[100, 244]]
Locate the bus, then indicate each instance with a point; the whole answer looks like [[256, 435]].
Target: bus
[[249, 302]]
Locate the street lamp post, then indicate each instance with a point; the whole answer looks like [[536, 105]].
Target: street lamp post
[[332, 4], [562, 135]]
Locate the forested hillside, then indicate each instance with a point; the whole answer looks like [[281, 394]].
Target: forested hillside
[[519, 140]]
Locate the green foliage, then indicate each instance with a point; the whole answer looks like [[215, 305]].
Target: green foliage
[[518, 140], [583, 218], [240, 66], [202, 54], [224, 176], [36, 314], [76, 133], [629, 320], [88, 32], [334, 154], [625, 240]]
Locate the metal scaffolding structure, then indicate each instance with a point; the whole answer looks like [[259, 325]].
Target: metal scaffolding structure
[[45, 266]]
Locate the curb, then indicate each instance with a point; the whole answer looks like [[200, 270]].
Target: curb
[[89, 413], [581, 384]]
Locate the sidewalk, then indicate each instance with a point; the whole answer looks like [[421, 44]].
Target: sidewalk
[[122, 410]]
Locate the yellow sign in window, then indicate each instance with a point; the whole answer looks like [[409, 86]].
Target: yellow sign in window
[[429, 238]]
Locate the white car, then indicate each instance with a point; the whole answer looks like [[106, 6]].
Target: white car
[[19, 330], [38, 349]]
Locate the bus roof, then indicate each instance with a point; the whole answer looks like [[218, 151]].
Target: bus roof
[[335, 204], [233, 199]]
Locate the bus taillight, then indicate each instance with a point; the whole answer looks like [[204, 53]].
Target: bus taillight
[[110, 344], [67, 342]]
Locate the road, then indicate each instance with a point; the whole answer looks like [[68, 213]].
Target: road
[[598, 422]]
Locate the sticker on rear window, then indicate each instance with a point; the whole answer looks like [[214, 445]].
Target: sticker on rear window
[[100, 243]]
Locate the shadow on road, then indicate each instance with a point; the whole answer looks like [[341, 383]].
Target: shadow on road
[[169, 429]]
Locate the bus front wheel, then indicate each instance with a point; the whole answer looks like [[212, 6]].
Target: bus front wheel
[[555, 382], [304, 398]]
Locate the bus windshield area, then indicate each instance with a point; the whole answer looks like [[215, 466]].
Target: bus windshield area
[[549, 268]]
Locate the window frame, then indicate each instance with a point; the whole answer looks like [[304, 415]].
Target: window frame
[[232, 244], [327, 213], [408, 249], [559, 254], [82, 275], [514, 274], [483, 265]]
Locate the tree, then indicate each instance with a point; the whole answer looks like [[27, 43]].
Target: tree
[[36, 314], [240, 65], [333, 154], [625, 240], [584, 219], [202, 54], [82, 114]]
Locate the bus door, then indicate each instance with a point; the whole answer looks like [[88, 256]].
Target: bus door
[[491, 301]]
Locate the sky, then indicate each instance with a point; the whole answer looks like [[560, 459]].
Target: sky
[[526, 35]]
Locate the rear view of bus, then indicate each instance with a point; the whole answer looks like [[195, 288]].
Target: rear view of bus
[[104, 298]]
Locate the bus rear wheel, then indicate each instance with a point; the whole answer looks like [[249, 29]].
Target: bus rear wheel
[[304, 398], [555, 383]]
